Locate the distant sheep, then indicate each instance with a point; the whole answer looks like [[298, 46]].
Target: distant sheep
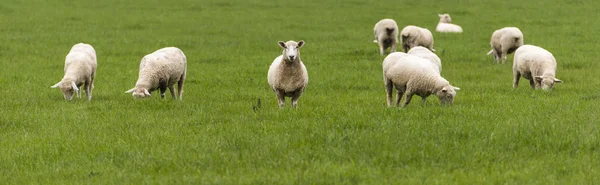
[[427, 54], [412, 75], [535, 64], [386, 35], [445, 25], [505, 41], [161, 70], [287, 74], [413, 36], [80, 69]]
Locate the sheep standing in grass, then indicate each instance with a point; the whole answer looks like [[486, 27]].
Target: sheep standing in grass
[[386, 35], [287, 74], [80, 69], [446, 26], [535, 64], [427, 54], [412, 75], [413, 36], [505, 41], [161, 70]]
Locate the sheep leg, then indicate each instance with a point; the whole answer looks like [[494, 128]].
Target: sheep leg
[[399, 95], [79, 94], [180, 86], [503, 56], [394, 46], [280, 98], [389, 90], [423, 100], [407, 98], [163, 91], [516, 78], [381, 49], [532, 83], [172, 90], [295, 98], [88, 89]]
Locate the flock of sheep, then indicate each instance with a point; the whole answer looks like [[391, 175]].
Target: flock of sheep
[[416, 71]]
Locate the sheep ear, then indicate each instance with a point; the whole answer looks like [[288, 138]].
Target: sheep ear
[[147, 93], [130, 90], [456, 88], [56, 85], [444, 90], [440, 15], [300, 44], [538, 78], [282, 44], [74, 86], [556, 80]]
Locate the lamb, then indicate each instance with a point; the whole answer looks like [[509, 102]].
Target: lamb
[[445, 25], [80, 69], [287, 74], [161, 70], [386, 35], [535, 64], [413, 36], [505, 41], [412, 75], [426, 54]]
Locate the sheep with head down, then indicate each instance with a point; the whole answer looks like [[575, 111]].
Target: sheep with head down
[[160, 70], [413, 36], [535, 64], [287, 75], [505, 41], [80, 69], [386, 35]]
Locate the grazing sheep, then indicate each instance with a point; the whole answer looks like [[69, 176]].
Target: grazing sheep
[[386, 35], [505, 41], [415, 36], [446, 26], [287, 74], [412, 75], [161, 70], [426, 54], [535, 64], [80, 69]]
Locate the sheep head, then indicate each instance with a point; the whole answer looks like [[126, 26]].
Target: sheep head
[[139, 92], [446, 94], [68, 88], [547, 82], [445, 18], [291, 50]]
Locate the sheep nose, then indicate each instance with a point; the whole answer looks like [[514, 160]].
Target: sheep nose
[[292, 57]]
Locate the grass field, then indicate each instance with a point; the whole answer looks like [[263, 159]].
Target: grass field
[[341, 133]]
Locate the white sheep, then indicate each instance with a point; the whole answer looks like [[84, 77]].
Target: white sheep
[[412, 75], [505, 41], [287, 74], [413, 36], [161, 70], [427, 54], [80, 69], [386, 35], [535, 64], [446, 26]]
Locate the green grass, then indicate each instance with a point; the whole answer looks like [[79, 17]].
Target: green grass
[[342, 132]]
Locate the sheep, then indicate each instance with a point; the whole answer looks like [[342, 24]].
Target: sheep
[[445, 25], [161, 70], [80, 69], [535, 64], [415, 36], [386, 35], [505, 41], [412, 75], [287, 74], [426, 54]]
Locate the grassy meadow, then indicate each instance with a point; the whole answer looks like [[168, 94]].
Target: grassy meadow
[[229, 130]]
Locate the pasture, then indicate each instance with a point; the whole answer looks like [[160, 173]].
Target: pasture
[[229, 130]]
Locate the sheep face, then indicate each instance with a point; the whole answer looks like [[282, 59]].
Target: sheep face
[[68, 89], [291, 50], [547, 82], [446, 95], [445, 18], [139, 92]]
